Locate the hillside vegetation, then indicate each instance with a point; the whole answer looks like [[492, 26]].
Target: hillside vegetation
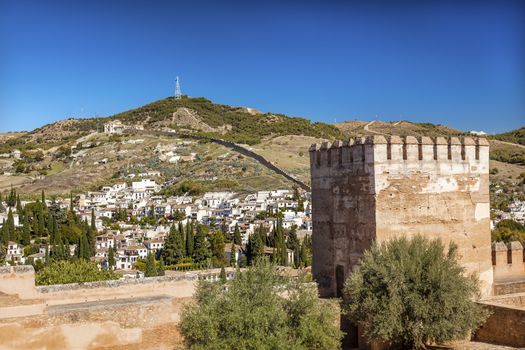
[[241, 125], [49, 160], [514, 136]]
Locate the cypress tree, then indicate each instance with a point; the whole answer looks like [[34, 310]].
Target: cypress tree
[[201, 252], [233, 260], [84, 244], [190, 244], [160, 270], [4, 235], [43, 199], [26, 232], [90, 239], [280, 249], [151, 269], [93, 222], [256, 247], [217, 248], [237, 235], [293, 244], [111, 258], [2, 208], [10, 227], [41, 221], [228, 237], [222, 275], [174, 248], [19, 209], [303, 255], [11, 200], [71, 207]]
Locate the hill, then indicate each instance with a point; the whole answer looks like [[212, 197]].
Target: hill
[[514, 136], [74, 154]]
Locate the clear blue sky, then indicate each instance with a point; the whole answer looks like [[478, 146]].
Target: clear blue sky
[[460, 63]]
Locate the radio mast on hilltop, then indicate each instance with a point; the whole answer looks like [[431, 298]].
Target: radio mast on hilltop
[[178, 94]]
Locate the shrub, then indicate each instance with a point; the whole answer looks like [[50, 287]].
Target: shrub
[[508, 230], [61, 272], [410, 293], [260, 310]]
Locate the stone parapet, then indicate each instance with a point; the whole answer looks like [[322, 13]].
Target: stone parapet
[[398, 149], [508, 261]]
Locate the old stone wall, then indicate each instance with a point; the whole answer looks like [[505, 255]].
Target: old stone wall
[[505, 325], [375, 189], [343, 211], [508, 261], [121, 314]]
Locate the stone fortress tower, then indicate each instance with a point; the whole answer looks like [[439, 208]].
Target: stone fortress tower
[[371, 188]]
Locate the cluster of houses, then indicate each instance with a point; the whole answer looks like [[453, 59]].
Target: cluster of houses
[[132, 242], [516, 212]]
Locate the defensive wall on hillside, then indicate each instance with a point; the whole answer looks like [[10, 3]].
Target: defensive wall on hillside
[[235, 146], [133, 313]]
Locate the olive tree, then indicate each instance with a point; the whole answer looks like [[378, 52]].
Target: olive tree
[[260, 309], [412, 293]]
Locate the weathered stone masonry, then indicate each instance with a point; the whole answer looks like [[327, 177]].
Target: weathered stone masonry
[[368, 189]]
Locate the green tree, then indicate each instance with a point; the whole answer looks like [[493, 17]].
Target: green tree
[[2, 207], [174, 249], [111, 258], [151, 268], [19, 209], [201, 252], [161, 269], [281, 252], [237, 235], [11, 199], [190, 243], [222, 275], [217, 249], [93, 220], [411, 293], [78, 271], [508, 230], [43, 198], [26, 231], [233, 260], [260, 309], [255, 248], [9, 231]]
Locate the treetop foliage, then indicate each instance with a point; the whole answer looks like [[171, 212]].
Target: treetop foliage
[[412, 293], [77, 271], [260, 309]]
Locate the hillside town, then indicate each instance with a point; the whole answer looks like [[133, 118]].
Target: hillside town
[[133, 220]]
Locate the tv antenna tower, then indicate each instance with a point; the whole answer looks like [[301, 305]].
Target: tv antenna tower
[[178, 94]]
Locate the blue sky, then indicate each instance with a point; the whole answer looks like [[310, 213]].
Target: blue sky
[[447, 62]]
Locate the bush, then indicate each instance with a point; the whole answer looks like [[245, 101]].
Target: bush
[[260, 310], [508, 230], [61, 272], [410, 293]]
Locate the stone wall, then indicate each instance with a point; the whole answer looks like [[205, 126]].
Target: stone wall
[[369, 189], [131, 314], [508, 261], [18, 280], [505, 325]]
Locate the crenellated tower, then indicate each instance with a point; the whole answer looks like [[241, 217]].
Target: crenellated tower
[[376, 188]]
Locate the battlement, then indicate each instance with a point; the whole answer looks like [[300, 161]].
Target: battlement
[[508, 261], [395, 149]]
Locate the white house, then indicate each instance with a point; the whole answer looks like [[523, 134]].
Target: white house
[[154, 245], [145, 185], [114, 127]]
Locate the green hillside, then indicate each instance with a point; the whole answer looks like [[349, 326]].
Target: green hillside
[[514, 136], [243, 127]]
